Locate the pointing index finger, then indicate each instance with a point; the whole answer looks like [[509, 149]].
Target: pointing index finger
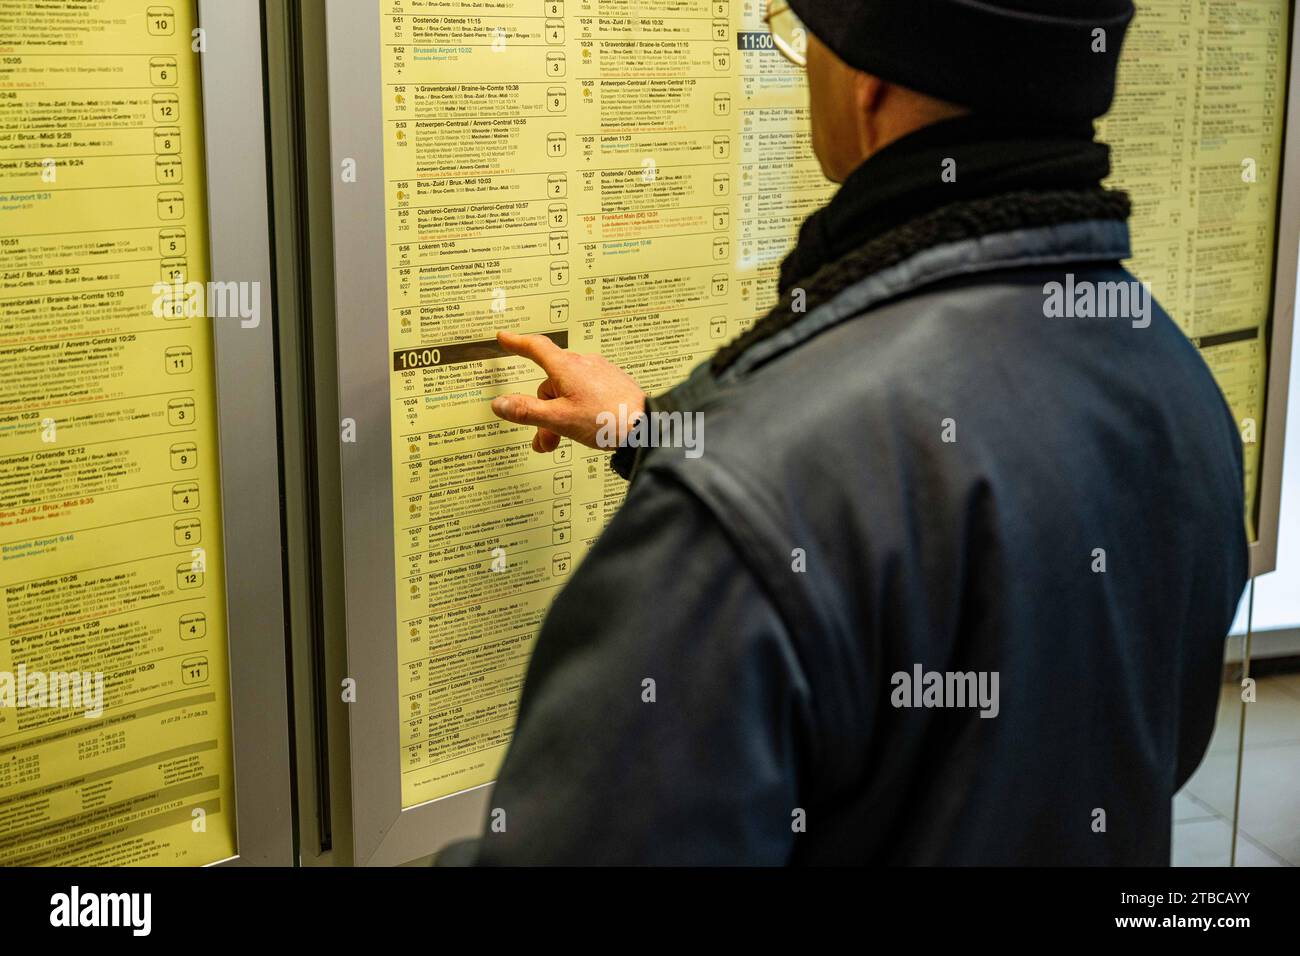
[[539, 348]]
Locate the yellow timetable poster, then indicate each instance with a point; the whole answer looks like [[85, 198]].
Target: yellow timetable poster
[[622, 175], [115, 725], [1197, 135]]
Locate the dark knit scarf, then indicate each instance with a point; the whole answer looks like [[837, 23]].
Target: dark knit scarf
[[896, 204]]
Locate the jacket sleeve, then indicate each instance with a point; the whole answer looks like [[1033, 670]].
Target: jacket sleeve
[[664, 710]]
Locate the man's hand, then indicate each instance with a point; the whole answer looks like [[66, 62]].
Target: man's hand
[[578, 388]]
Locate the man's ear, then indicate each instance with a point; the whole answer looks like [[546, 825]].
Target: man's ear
[[868, 92]]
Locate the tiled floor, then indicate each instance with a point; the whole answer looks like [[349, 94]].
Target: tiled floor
[[1270, 783]]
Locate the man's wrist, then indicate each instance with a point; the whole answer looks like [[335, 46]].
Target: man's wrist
[[624, 459]]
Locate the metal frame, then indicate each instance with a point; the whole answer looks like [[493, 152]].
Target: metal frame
[[239, 234], [383, 832], [298, 111], [1263, 553]]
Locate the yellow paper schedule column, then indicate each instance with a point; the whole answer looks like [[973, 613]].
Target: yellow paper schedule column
[[623, 177], [1196, 134], [115, 734]]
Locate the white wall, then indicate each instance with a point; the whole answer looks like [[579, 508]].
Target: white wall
[[1277, 595]]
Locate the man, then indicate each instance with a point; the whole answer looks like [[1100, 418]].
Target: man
[[950, 581]]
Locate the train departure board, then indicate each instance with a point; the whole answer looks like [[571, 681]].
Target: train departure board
[[115, 731], [622, 176]]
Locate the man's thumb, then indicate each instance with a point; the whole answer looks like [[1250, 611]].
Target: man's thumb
[[521, 409]]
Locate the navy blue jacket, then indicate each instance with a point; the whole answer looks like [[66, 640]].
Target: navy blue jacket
[[929, 469]]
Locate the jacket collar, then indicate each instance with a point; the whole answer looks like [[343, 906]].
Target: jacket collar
[[962, 159], [1103, 238], [981, 235]]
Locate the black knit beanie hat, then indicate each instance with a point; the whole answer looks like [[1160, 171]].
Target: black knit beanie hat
[[1050, 59]]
